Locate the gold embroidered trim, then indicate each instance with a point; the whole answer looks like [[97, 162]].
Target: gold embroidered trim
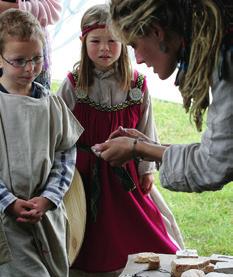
[[105, 108]]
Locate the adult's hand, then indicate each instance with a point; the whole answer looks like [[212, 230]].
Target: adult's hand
[[128, 132], [116, 151], [119, 150]]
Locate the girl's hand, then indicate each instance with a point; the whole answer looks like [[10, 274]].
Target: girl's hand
[[146, 182]]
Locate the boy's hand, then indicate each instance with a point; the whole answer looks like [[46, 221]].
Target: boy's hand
[[36, 208], [41, 206], [146, 182], [20, 207]]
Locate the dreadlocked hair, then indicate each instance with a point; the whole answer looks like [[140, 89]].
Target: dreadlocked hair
[[199, 22], [207, 32], [135, 18]]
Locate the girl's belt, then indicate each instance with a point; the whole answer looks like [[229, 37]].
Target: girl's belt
[[121, 172]]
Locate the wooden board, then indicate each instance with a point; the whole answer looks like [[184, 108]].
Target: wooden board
[[75, 203]]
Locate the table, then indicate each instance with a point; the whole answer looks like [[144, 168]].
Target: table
[[132, 268]]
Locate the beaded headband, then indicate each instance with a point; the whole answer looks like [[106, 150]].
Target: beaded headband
[[89, 28]]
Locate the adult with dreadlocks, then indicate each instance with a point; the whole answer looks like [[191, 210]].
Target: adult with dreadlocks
[[198, 37]]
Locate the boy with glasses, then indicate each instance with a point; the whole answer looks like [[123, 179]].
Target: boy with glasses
[[48, 13], [37, 153]]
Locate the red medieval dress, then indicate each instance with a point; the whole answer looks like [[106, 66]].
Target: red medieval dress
[[126, 221]]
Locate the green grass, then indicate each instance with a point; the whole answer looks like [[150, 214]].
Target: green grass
[[55, 85], [205, 219]]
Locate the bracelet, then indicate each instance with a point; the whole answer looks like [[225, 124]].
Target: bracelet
[[134, 155], [140, 159]]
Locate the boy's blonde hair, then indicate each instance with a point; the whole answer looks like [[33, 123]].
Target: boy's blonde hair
[[99, 14], [19, 24], [198, 22]]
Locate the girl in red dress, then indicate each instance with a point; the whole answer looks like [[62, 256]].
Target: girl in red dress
[[104, 93]]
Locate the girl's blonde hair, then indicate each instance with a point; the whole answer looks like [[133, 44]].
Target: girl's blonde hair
[[99, 14], [19, 24], [200, 25]]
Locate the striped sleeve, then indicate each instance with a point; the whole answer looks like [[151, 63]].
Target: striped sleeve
[[6, 197], [60, 176]]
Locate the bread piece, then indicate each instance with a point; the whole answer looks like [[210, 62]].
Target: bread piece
[[144, 257], [154, 263], [178, 266], [209, 268], [193, 273]]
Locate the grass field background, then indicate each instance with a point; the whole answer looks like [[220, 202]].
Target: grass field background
[[205, 219]]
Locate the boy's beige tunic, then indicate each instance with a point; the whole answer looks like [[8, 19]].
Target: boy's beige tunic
[[5, 254], [31, 131]]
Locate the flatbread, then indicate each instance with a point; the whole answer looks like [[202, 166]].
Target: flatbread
[[144, 257], [178, 266], [75, 203]]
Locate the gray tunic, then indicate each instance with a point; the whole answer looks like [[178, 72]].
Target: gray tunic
[[31, 131], [207, 165]]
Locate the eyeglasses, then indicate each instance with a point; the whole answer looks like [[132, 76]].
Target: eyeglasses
[[21, 63]]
